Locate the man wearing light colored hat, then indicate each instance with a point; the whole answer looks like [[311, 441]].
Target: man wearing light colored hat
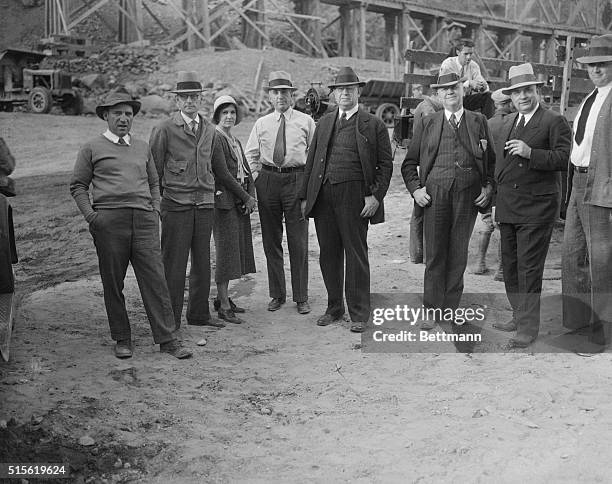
[[276, 153], [534, 145], [347, 175], [123, 221], [587, 250], [453, 150], [183, 147], [503, 107]]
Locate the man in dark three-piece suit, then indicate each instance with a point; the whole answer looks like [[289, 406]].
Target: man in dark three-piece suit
[[455, 154], [348, 170], [536, 144]]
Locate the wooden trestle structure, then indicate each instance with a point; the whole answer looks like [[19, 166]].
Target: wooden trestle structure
[[506, 29]]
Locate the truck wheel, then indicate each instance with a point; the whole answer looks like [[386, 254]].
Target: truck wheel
[[72, 105], [387, 112], [40, 100]]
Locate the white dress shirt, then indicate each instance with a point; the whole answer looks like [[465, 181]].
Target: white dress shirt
[[581, 153], [114, 138]]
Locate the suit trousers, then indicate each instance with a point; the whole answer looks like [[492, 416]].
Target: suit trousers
[[121, 236], [183, 232], [277, 198], [447, 225], [524, 248], [342, 233], [415, 241], [587, 265]]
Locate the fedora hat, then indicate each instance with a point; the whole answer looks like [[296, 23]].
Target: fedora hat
[[279, 80], [222, 101], [499, 97], [346, 77], [600, 50], [521, 76], [118, 95], [188, 81], [446, 80]]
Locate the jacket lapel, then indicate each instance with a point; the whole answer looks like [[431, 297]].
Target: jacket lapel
[[326, 127], [533, 126], [362, 140], [473, 129]]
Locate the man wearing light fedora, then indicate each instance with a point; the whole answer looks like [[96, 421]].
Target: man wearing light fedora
[[347, 175], [123, 221], [454, 151], [535, 145], [276, 153], [182, 148], [587, 250]]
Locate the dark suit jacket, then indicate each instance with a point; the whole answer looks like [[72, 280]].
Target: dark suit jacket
[[374, 154], [423, 149], [228, 191], [528, 190]]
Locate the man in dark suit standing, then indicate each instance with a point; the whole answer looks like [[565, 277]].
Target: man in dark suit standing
[[455, 180], [536, 145], [347, 175], [587, 250]]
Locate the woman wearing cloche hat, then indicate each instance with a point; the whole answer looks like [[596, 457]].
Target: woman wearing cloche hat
[[234, 202]]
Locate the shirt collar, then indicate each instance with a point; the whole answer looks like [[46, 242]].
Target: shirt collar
[[458, 115], [603, 91], [287, 113], [115, 139], [188, 120], [349, 113], [529, 115]]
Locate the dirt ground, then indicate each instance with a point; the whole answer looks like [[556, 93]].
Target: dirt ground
[[277, 399]]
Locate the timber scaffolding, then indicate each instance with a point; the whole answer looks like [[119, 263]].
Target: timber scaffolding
[[506, 29]]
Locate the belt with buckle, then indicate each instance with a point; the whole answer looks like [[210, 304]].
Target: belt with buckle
[[280, 169], [581, 169]]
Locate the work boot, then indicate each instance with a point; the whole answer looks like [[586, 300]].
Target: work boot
[[483, 245], [499, 274]]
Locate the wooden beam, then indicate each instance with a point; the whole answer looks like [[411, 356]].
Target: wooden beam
[[567, 74], [189, 24], [517, 37], [294, 15], [526, 10], [545, 12], [154, 17], [86, 14], [418, 30], [246, 18], [293, 42], [62, 17], [298, 29], [362, 31], [501, 52], [134, 21], [486, 4], [329, 24]]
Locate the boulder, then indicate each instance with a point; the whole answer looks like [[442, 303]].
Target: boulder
[[154, 104], [94, 81]]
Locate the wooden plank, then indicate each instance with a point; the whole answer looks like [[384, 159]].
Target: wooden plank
[[86, 14], [298, 29], [154, 17], [244, 16], [188, 22], [423, 79]]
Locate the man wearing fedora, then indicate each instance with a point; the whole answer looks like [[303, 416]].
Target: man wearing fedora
[[587, 250], [535, 145], [453, 149], [347, 175], [276, 153], [123, 221], [182, 148]]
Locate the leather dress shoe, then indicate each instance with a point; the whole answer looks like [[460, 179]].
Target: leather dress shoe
[[357, 327], [208, 322], [509, 326], [520, 341], [229, 316], [233, 307], [123, 348], [175, 349], [276, 303], [428, 324], [303, 307], [327, 319]]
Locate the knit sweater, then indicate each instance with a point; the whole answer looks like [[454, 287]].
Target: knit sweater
[[121, 176]]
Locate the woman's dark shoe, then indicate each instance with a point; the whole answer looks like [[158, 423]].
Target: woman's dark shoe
[[233, 307], [229, 316]]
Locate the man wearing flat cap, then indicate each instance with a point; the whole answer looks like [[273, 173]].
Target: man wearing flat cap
[[454, 151], [587, 247], [276, 153], [347, 175], [123, 220], [183, 149], [535, 145]]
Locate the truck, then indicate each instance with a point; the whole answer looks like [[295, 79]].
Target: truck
[[23, 82]]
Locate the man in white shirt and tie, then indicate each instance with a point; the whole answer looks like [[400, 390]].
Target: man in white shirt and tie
[[587, 246], [276, 153]]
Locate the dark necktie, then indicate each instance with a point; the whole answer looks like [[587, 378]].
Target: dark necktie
[[584, 115], [518, 129], [194, 127], [121, 141], [453, 121], [343, 117], [280, 147]]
